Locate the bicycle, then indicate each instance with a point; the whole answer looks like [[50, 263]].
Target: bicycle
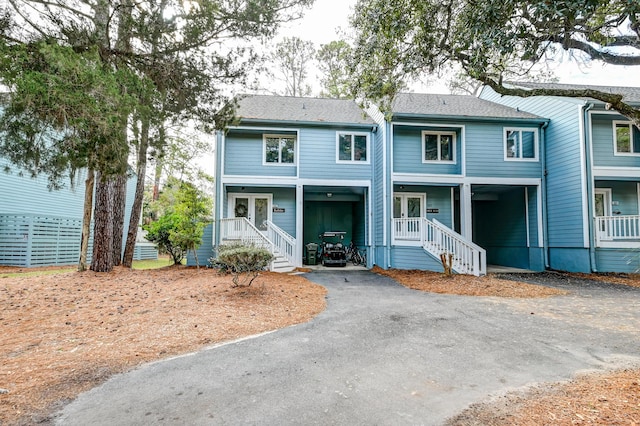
[[355, 255]]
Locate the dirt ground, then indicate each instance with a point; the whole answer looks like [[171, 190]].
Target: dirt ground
[[66, 333]]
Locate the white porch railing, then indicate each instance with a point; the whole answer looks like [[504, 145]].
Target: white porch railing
[[283, 243], [612, 229], [242, 230], [436, 239]]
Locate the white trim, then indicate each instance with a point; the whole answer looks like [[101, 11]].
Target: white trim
[[621, 172], [583, 177], [410, 178], [453, 208], [541, 241], [536, 143], [526, 214], [353, 161], [607, 200], [439, 134], [638, 191], [266, 136], [299, 222], [630, 125], [618, 244]]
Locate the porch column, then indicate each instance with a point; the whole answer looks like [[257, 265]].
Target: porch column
[[466, 221], [299, 223]]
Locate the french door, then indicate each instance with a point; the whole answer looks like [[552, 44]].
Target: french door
[[255, 207], [408, 208]]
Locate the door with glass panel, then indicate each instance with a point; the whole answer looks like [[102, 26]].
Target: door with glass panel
[[408, 209], [255, 207], [602, 209]]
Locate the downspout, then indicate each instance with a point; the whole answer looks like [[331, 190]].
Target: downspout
[[589, 172], [543, 190]]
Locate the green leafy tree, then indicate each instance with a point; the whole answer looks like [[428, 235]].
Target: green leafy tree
[[185, 211], [333, 62], [292, 58], [492, 41]]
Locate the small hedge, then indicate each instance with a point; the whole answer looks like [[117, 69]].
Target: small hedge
[[244, 262]]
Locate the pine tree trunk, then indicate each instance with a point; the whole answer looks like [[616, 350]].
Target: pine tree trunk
[[86, 219], [119, 204], [136, 209], [103, 225]]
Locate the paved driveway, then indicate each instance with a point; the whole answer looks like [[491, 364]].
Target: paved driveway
[[380, 354]]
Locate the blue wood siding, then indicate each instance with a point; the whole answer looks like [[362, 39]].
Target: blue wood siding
[[618, 260], [378, 253], [205, 251], [603, 148], [624, 196], [414, 258], [318, 157], [563, 164], [485, 153], [243, 155], [407, 151], [569, 259]]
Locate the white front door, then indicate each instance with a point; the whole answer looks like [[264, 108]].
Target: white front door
[[255, 207], [409, 208], [602, 207]]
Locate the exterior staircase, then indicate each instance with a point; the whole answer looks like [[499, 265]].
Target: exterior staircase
[[276, 240], [437, 239]]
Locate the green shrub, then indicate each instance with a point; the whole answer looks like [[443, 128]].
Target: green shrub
[[244, 262]]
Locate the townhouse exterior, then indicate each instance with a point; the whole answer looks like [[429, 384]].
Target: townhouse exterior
[[592, 175]]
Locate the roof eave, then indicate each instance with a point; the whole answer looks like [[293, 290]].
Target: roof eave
[[413, 116], [260, 121]]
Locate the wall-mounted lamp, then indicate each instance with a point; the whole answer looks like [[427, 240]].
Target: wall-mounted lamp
[[329, 194], [401, 186], [242, 189]]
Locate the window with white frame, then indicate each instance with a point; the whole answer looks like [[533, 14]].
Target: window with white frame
[[352, 147], [521, 144], [626, 138], [279, 149], [438, 147]]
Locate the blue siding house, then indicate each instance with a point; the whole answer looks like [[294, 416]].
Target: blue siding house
[[291, 169], [592, 179], [464, 177]]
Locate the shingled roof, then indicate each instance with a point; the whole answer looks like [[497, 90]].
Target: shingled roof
[[631, 94], [307, 110], [453, 106]]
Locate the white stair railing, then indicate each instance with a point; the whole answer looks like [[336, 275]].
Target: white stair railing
[[240, 229], [284, 243], [610, 228], [436, 239]]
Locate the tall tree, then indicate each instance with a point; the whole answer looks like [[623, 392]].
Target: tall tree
[[292, 57], [179, 46], [333, 62], [492, 40]]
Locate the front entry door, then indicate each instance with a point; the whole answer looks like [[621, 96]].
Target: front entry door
[[409, 207], [255, 207], [602, 207]]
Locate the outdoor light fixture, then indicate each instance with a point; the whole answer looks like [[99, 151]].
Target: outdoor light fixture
[[329, 194]]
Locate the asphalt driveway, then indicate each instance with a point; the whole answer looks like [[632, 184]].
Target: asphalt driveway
[[380, 354]]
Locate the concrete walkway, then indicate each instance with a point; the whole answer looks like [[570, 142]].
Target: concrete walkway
[[380, 354]]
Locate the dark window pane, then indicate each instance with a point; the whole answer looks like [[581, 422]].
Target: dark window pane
[[446, 148], [272, 150], [288, 147], [623, 138], [360, 151], [431, 147], [344, 148], [513, 149], [528, 144]]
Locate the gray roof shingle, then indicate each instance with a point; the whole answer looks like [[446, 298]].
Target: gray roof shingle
[[631, 94], [453, 106], [308, 110]]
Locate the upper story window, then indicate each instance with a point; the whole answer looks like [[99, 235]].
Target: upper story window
[[352, 147], [521, 144], [279, 149], [438, 147], [626, 138]]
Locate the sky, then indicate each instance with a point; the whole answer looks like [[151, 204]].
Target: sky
[[324, 21]]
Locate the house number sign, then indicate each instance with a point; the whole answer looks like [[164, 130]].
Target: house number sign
[[278, 209]]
